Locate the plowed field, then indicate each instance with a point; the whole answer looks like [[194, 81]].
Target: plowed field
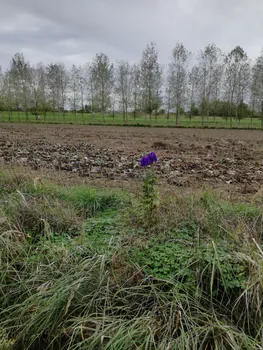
[[187, 157]]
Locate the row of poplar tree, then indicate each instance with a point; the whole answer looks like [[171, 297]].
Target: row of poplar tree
[[207, 83]]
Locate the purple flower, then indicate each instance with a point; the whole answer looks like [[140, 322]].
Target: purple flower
[[148, 160], [144, 161], [153, 157]]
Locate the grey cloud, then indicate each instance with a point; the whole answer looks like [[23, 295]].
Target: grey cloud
[[73, 31]]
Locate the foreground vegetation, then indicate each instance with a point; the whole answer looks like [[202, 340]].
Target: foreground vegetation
[[140, 120], [84, 269]]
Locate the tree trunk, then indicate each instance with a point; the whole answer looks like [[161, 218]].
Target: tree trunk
[[123, 112], [230, 114], [92, 109], [215, 112], [82, 106], [168, 107], [135, 107], [207, 104], [177, 115], [82, 115], [203, 112], [126, 110]]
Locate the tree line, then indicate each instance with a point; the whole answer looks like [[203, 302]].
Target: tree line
[[209, 84]]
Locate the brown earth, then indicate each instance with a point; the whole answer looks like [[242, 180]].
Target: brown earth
[[188, 158]]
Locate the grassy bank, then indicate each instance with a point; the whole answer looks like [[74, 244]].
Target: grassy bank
[[140, 120], [82, 269]]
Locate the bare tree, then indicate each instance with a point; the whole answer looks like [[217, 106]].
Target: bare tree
[[236, 63], [83, 81], [39, 89], [243, 85], [167, 100], [42, 88], [218, 76], [102, 75], [257, 87], [123, 86], [193, 87], [91, 89], [57, 79], [35, 91], [177, 78], [74, 87], [53, 87], [8, 93], [209, 67], [21, 75], [135, 88], [63, 86], [151, 80], [15, 91]]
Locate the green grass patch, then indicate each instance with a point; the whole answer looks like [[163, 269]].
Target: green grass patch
[[140, 120], [52, 209], [193, 280]]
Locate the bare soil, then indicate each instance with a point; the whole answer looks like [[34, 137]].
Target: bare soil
[[188, 158]]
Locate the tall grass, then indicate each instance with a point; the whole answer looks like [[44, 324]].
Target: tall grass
[[194, 281], [87, 303]]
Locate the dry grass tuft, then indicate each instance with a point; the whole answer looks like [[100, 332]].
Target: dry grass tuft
[[40, 216]]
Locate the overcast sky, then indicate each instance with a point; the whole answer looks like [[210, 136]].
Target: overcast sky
[[73, 31]]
